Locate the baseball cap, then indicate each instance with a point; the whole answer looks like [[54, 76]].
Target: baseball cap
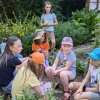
[[37, 57], [67, 40], [95, 54], [38, 34]]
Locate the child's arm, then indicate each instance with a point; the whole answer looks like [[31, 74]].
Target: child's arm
[[95, 89], [84, 82], [86, 79], [55, 63], [48, 25], [23, 59], [55, 22], [42, 23], [68, 65]]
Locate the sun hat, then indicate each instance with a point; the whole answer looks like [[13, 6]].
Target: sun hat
[[95, 54], [38, 34], [37, 57], [67, 40]]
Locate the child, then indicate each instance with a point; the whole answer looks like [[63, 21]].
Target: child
[[26, 77], [41, 44], [89, 89], [8, 62], [48, 21], [64, 64]]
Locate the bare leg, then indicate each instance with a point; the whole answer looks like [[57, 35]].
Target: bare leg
[[73, 86], [65, 76], [83, 96], [53, 45]]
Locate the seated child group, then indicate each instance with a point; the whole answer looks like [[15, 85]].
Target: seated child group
[[18, 73]]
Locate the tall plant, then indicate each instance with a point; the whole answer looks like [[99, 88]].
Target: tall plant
[[96, 31]]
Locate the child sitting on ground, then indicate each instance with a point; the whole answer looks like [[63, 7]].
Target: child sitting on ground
[[40, 44], [26, 77], [64, 65], [89, 88]]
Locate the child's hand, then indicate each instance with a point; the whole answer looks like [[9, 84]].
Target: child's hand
[[47, 25], [55, 72]]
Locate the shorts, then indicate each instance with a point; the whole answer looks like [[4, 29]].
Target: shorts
[[51, 35], [73, 73], [7, 89], [95, 96]]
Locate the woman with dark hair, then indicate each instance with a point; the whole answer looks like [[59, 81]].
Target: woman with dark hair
[[8, 62]]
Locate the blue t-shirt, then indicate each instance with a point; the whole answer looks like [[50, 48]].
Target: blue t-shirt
[[69, 57], [6, 70], [48, 19], [94, 75]]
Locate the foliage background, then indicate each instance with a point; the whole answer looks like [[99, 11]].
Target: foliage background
[[62, 8]]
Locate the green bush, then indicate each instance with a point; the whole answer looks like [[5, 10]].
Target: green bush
[[79, 27], [96, 31], [79, 33], [85, 16], [81, 66], [22, 29]]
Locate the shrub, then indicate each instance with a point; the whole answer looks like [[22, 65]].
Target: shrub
[[21, 28], [96, 31], [79, 33], [81, 66]]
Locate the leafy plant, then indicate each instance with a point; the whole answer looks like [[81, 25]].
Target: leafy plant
[[76, 30], [21, 28], [96, 31], [81, 66], [30, 96]]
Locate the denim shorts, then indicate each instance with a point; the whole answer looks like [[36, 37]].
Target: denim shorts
[[95, 96], [7, 89]]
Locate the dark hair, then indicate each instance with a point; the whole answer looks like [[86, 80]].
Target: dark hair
[[7, 52], [49, 3], [37, 41]]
